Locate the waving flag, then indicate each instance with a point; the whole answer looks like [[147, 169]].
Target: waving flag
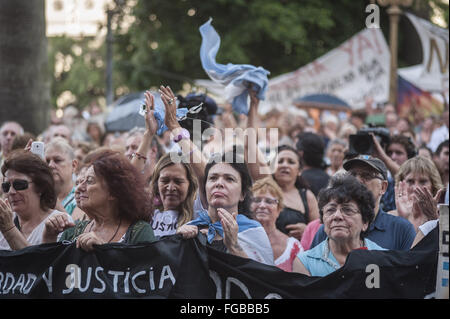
[[236, 78]]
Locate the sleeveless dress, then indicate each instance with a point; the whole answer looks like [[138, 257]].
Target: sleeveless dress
[[290, 216]]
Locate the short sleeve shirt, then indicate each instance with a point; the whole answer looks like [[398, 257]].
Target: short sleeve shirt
[[388, 231]]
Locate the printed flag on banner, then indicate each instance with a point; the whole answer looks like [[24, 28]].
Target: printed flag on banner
[[188, 269], [413, 102]]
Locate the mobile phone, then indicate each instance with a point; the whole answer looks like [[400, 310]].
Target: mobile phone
[[143, 109], [38, 149]]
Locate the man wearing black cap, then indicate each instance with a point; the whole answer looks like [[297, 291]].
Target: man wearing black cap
[[388, 231]]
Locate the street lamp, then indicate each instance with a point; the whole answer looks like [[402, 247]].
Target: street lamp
[[394, 12]]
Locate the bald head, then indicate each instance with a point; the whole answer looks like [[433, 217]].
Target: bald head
[[62, 131], [8, 131]]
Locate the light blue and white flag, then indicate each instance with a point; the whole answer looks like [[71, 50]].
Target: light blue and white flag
[[251, 235], [236, 78]]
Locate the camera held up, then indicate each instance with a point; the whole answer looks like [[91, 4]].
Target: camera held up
[[361, 143]]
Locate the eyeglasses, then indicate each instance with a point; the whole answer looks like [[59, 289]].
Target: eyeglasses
[[268, 201], [366, 176], [345, 210], [18, 184]]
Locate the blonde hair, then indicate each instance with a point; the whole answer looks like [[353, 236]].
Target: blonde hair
[[186, 209], [420, 165], [269, 185]]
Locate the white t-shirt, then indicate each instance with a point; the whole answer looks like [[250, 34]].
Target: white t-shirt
[[35, 238], [164, 223]]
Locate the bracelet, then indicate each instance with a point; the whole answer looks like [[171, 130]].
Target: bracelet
[[4, 232], [183, 134], [139, 156]]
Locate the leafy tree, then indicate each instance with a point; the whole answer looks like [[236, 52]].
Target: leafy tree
[[78, 67], [24, 82], [163, 43]]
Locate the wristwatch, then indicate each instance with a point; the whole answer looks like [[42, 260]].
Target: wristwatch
[[184, 134]]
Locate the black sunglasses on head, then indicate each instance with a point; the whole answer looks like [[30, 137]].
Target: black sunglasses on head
[[18, 184]]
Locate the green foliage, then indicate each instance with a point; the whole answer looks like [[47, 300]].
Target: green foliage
[[280, 36], [77, 65], [162, 45]]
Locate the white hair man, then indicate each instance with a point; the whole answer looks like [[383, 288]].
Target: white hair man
[[8, 131], [60, 156]]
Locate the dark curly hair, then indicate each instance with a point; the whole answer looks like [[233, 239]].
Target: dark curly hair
[[344, 188], [407, 144], [125, 184], [40, 173]]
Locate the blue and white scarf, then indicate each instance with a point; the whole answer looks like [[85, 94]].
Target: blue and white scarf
[[236, 78]]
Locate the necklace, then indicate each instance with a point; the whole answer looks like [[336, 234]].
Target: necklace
[[115, 233]]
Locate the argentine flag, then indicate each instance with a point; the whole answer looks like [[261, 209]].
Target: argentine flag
[[236, 78]]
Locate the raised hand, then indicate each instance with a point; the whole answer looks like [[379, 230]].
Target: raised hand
[[169, 100], [424, 204], [150, 121], [6, 216], [230, 230], [403, 200]]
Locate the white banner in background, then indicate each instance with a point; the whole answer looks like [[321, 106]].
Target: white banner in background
[[357, 69], [432, 74]]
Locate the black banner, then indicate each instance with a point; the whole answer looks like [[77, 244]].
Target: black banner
[[177, 268]]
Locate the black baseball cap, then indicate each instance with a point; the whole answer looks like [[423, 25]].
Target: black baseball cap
[[374, 162]]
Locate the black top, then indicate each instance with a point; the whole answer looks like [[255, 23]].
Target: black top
[[290, 216], [317, 179]]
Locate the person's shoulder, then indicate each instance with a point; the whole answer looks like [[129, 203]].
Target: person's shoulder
[[372, 245], [397, 220], [315, 252], [141, 231], [245, 223]]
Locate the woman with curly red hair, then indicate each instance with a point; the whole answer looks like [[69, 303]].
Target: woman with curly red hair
[[112, 194]]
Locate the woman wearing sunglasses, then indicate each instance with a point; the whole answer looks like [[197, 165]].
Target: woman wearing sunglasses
[[266, 205], [30, 199]]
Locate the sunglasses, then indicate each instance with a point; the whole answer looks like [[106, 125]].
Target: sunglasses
[[18, 184]]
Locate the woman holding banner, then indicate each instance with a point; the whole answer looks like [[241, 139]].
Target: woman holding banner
[[173, 185], [224, 185], [227, 190], [346, 210], [112, 195]]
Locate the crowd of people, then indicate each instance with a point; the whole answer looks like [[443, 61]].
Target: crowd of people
[[321, 200]]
